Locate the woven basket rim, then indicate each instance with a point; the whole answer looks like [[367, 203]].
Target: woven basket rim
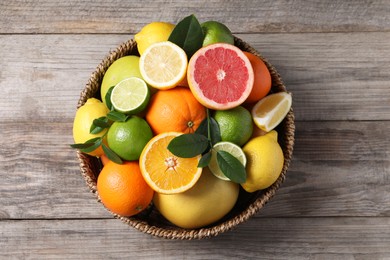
[[90, 165]]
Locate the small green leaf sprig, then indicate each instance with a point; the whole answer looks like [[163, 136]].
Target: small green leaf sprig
[[201, 143], [98, 125]]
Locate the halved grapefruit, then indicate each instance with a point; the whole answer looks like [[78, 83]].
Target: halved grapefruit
[[220, 76]]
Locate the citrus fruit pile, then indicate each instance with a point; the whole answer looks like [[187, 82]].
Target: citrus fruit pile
[[185, 126]]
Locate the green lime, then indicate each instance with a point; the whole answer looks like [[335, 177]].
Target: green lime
[[229, 147], [125, 67], [130, 96], [235, 125], [215, 32], [128, 139]]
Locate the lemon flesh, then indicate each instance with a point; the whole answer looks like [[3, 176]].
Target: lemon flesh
[[152, 33], [270, 111], [163, 65]]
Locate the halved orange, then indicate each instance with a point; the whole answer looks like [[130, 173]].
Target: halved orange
[[163, 171]]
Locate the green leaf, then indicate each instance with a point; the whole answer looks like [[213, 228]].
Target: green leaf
[[188, 35], [205, 160], [99, 125], [81, 145], [96, 142], [209, 128], [231, 167], [108, 98], [203, 128], [188, 145], [117, 116], [215, 134], [111, 155]]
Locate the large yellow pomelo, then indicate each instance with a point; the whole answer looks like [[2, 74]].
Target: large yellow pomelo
[[205, 203]]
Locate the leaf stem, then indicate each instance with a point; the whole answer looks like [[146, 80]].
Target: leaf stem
[[208, 125]]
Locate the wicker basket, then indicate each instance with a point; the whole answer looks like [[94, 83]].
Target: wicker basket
[[150, 220]]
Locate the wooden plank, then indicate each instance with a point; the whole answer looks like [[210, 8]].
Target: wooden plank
[[332, 76], [345, 175], [338, 169], [268, 238], [40, 174], [249, 17]]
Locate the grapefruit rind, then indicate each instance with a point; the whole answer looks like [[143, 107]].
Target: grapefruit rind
[[241, 68]]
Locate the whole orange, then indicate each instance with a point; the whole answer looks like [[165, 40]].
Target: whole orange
[[122, 189], [104, 159], [262, 83], [174, 110]]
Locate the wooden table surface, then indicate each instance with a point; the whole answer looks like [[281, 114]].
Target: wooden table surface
[[334, 56]]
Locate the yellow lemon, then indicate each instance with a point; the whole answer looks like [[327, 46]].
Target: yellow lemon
[[91, 110], [205, 203], [271, 110], [264, 161], [152, 33]]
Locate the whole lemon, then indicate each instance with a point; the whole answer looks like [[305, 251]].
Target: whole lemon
[[122, 68], [91, 110], [128, 139], [235, 125], [264, 161], [152, 33], [205, 203]]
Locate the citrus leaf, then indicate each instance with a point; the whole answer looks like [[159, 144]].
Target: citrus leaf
[[81, 145], [108, 99], [205, 160], [231, 167], [111, 155], [97, 141], [202, 128], [209, 128], [188, 145], [99, 125], [215, 134], [117, 116], [188, 35]]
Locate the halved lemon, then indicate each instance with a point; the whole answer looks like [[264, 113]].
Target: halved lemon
[[271, 110], [163, 65], [163, 171]]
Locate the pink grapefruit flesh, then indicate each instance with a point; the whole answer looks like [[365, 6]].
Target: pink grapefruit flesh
[[220, 76]]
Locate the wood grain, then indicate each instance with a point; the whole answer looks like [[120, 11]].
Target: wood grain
[[113, 16], [332, 76], [40, 174], [334, 58], [338, 169], [273, 238]]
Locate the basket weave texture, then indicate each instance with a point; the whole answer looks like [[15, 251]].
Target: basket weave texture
[[150, 220]]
